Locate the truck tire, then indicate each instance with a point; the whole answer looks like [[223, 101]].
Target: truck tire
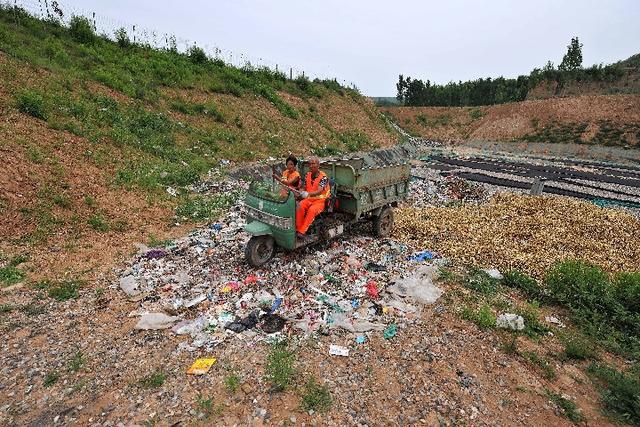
[[259, 250], [383, 223]]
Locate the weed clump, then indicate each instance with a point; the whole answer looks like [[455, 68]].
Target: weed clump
[[480, 281], [279, 370], [619, 392], [65, 290], [32, 103], [315, 396], [568, 408], [153, 380], [579, 348], [527, 284], [484, 317]]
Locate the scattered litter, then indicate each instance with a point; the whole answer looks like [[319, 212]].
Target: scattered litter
[[129, 285], [372, 266], [360, 339], [372, 289], [494, 273], [154, 254], [390, 332], [419, 285], [272, 323], [337, 350], [510, 321], [155, 321], [554, 320], [201, 366], [421, 256]]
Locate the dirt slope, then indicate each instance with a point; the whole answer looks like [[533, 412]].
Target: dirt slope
[[598, 119]]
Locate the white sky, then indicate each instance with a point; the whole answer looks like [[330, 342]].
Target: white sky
[[370, 42]]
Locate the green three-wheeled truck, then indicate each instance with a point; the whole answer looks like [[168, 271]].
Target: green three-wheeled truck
[[358, 192]]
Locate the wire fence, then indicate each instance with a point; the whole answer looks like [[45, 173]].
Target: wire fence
[[107, 26]]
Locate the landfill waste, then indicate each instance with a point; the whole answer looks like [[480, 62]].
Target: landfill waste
[[360, 339], [204, 283], [201, 366], [510, 321], [337, 350], [155, 321], [419, 285]]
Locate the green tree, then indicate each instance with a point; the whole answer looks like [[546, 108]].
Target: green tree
[[572, 60]]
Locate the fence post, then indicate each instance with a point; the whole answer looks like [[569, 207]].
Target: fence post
[[291, 73], [134, 34], [41, 11], [15, 10], [46, 4], [95, 28]]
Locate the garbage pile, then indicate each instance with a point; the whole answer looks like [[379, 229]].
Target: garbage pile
[[429, 187], [529, 233], [201, 288]]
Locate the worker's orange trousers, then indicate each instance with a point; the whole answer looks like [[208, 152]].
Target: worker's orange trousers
[[306, 213]]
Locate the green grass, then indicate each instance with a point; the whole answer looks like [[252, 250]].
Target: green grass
[[578, 347], [153, 380], [483, 317], [200, 208], [530, 312], [603, 308], [476, 113], [98, 223], [523, 282], [480, 281], [619, 392], [315, 396], [76, 362], [32, 103], [64, 290], [207, 406], [10, 275], [51, 378], [232, 382], [545, 366], [279, 369], [567, 407]]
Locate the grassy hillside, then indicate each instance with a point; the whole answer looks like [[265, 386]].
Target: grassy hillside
[[612, 120], [93, 132]]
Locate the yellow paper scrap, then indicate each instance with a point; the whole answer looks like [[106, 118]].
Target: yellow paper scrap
[[201, 366]]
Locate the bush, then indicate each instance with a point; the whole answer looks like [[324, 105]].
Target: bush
[[33, 104], [197, 55], [81, 30], [580, 286], [122, 38], [627, 291]]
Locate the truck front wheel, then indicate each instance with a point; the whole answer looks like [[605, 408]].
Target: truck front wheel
[[259, 250], [383, 223]]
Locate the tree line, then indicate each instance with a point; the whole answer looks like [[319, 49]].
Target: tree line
[[488, 91]]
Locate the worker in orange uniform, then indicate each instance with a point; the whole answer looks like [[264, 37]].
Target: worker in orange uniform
[[290, 176], [315, 190]]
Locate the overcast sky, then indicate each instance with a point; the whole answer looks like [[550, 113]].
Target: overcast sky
[[370, 42]]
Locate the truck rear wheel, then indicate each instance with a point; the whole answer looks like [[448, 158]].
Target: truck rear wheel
[[259, 250], [383, 223]]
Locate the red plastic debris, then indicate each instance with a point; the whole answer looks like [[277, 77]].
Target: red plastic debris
[[372, 289]]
